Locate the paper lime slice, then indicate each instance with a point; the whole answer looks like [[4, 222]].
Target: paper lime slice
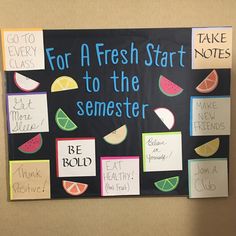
[[208, 149], [167, 185], [64, 122]]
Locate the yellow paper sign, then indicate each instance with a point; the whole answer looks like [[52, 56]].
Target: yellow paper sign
[[211, 48], [29, 180]]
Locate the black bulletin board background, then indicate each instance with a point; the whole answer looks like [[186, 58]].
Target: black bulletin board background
[[70, 41]]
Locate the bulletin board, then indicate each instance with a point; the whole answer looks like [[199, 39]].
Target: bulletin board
[[128, 112]]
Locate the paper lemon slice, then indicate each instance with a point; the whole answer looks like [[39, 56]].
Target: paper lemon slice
[[64, 122], [209, 83], [169, 88], [63, 83], [117, 136], [209, 148], [33, 145], [74, 188], [166, 117], [24, 83], [167, 185]]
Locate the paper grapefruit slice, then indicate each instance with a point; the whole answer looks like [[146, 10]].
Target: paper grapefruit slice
[[24, 83], [209, 83], [64, 122], [33, 145], [63, 83], [167, 185], [74, 188], [166, 117], [169, 88], [117, 136], [208, 149]]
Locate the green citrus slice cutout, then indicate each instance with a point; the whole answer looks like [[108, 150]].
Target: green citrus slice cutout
[[167, 185], [64, 122]]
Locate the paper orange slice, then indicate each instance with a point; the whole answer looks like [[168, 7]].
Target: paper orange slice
[[117, 136], [74, 188], [209, 83], [208, 149]]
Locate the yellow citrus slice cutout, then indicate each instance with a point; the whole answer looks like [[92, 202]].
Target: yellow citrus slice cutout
[[63, 83], [208, 149], [117, 136], [74, 188]]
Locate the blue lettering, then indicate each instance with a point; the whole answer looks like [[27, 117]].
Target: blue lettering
[[181, 52], [127, 104], [149, 63], [119, 111], [81, 110], [110, 108], [87, 78], [114, 57], [163, 59], [99, 53], [99, 108], [171, 58], [158, 52], [143, 110], [122, 83], [62, 61], [123, 54], [96, 84], [135, 109], [135, 83], [133, 54], [115, 78], [50, 57], [89, 108], [85, 55]]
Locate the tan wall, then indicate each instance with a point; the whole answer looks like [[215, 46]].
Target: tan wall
[[118, 216]]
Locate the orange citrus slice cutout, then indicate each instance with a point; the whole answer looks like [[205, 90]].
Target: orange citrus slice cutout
[[117, 136], [209, 83], [208, 149], [74, 188]]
